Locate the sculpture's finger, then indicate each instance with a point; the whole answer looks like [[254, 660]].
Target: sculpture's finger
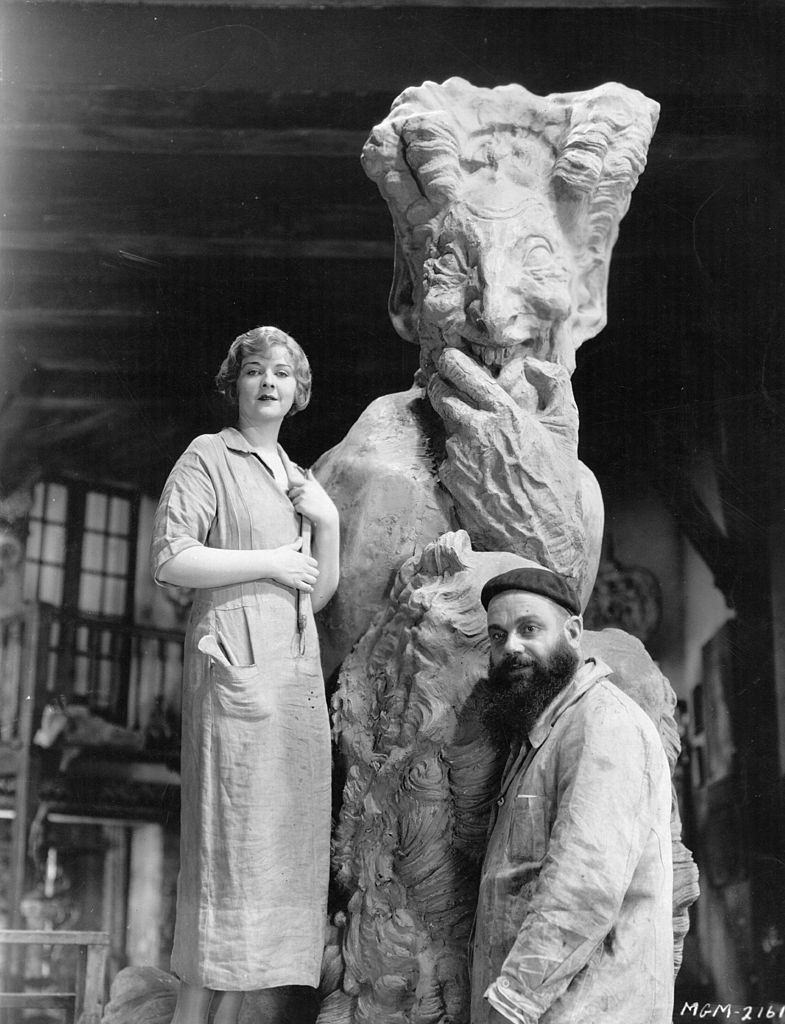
[[451, 406], [472, 380], [512, 379], [558, 411], [552, 383]]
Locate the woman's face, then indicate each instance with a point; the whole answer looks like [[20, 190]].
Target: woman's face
[[265, 387]]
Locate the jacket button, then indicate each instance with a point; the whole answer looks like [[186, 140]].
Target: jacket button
[[500, 801]]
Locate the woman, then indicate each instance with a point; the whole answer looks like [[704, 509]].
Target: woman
[[255, 828]]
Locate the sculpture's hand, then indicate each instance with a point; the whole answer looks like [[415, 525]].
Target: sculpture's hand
[[512, 463], [556, 410], [528, 391]]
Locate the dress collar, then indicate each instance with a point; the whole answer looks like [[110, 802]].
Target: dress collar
[[235, 440]]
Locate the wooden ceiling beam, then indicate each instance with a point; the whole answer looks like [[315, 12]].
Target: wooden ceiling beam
[[81, 116], [53, 364], [57, 404], [167, 249], [152, 246], [50, 433], [55, 319], [260, 142], [298, 143], [571, 5]]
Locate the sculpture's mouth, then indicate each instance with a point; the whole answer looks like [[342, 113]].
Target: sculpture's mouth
[[495, 357]]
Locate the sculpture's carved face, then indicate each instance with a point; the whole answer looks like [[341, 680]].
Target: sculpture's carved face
[[506, 207], [497, 282]]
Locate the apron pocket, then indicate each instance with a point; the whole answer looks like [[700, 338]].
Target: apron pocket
[[238, 689]]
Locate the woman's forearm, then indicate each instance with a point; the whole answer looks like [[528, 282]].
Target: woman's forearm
[[203, 567]]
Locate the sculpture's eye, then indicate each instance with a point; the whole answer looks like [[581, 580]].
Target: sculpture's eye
[[539, 255]]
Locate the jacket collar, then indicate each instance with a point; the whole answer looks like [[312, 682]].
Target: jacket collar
[[590, 672]]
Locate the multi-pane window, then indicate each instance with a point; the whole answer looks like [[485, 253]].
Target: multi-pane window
[[106, 549], [81, 558], [81, 548], [46, 544]]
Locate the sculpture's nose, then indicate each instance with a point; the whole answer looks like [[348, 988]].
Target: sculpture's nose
[[501, 313], [499, 318]]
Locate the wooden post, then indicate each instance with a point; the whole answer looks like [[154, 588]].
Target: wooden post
[[90, 983], [777, 566], [23, 789], [145, 890], [115, 881]]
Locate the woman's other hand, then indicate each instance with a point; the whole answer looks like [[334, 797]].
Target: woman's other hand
[[312, 501], [289, 566]]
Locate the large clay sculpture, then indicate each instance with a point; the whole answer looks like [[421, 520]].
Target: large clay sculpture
[[506, 207]]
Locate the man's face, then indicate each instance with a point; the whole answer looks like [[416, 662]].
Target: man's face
[[535, 650]]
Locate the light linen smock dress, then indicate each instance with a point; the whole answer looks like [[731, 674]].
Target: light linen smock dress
[[255, 818]]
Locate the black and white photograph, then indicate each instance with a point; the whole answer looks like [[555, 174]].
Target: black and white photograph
[[392, 511]]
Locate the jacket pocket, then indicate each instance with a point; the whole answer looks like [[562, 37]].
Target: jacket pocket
[[238, 690], [528, 840]]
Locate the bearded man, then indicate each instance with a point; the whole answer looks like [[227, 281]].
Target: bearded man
[[574, 915]]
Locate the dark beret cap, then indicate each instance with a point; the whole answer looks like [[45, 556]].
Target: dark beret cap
[[533, 581]]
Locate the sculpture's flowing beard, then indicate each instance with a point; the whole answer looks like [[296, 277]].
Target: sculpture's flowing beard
[[519, 688]]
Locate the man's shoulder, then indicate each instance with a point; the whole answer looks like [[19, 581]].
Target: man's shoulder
[[605, 706]]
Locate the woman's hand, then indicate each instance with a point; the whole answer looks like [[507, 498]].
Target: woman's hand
[[312, 501], [203, 567], [289, 566]]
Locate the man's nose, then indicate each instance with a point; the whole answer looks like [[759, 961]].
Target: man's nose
[[513, 644]]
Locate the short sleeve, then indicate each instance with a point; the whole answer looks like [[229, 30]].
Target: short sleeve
[[185, 512]]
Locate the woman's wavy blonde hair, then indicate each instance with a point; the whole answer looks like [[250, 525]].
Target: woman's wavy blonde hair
[[259, 342]]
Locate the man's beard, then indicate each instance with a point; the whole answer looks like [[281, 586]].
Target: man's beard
[[518, 689]]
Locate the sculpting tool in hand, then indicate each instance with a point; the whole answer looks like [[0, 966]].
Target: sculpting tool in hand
[[301, 597]]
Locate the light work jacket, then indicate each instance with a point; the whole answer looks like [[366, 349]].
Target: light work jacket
[[574, 920]]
